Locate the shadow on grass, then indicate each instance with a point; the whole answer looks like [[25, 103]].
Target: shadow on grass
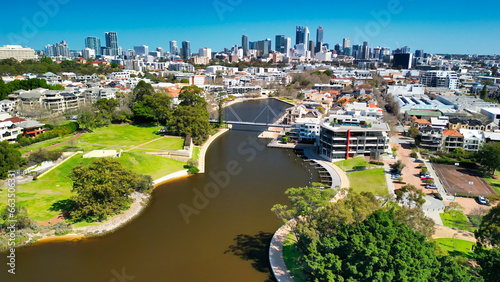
[[254, 248], [63, 206]]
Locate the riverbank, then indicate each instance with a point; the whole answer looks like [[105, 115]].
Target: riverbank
[[140, 202]]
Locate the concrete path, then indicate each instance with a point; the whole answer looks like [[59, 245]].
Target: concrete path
[[144, 144], [339, 179], [448, 232], [170, 177], [438, 183], [204, 148]]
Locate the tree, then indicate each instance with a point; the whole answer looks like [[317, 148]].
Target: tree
[[413, 132], [484, 92], [416, 220], [489, 156], [410, 193], [220, 109], [189, 120], [488, 232], [153, 108], [107, 106], [191, 96], [142, 89], [489, 260], [10, 159], [103, 188]]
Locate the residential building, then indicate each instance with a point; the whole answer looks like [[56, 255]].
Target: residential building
[[93, 43], [473, 140], [448, 79], [174, 50], [306, 130], [281, 44], [9, 131], [89, 53], [205, 52], [142, 50], [344, 137], [431, 138], [112, 43], [7, 106], [492, 113], [17, 52], [31, 128], [95, 94], [452, 140], [186, 50]]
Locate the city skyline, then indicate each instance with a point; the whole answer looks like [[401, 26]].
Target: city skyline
[[219, 27]]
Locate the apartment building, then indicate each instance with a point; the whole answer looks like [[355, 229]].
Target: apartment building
[[448, 79]]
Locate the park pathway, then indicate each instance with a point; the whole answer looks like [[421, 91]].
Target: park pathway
[[448, 232], [144, 144]]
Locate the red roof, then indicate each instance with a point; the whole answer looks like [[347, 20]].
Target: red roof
[[15, 119], [452, 133]]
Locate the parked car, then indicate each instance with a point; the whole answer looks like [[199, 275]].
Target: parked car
[[481, 200], [431, 186], [426, 178]]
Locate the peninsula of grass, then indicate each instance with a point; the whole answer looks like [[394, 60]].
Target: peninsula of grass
[[369, 180], [39, 196], [353, 164], [196, 153], [291, 258], [456, 219], [456, 247]]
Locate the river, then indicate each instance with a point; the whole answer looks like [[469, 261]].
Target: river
[[222, 235]]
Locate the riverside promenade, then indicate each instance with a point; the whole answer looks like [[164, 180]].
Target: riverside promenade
[[339, 180], [204, 149]]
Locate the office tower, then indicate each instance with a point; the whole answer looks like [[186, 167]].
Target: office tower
[[311, 48], [377, 53], [186, 50], [174, 50], [419, 53], [299, 35], [62, 49], [93, 43], [365, 51], [263, 48], [337, 48], [288, 47], [406, 50], [346, 43], [244, 44], [402, 61], [356, 51], [307, 36], [50, 50], [281, 44], [159, 49], [252, 45], [319, 39], [348, 51], [112, 43], [141, 50]]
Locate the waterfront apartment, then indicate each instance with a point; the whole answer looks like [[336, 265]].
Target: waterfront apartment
[[344, 137]]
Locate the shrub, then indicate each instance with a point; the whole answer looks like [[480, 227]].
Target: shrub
[[193, 170], [413, 155], [284, 139], [62, 228], [376, 163]]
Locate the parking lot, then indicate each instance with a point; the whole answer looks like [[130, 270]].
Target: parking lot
[[458, 180]]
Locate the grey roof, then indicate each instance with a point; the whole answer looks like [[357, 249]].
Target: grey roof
[[30, 124], [34, 94]]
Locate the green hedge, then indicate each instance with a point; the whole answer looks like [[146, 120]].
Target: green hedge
[[448, 161], [58, 131]]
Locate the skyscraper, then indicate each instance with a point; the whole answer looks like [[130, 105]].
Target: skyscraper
[[174, 50], [311, 48], [299, 35], [319, 39], [244, 44], [307, 36], [112, 43], [288, 46], [186, 50], [93, 43], [365, 51], [346, 43], [281, 44]]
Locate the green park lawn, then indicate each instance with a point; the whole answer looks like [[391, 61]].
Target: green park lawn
[[120, 136], [369, 180], [354, 163], [460, 221], [196, 153], [495, 183], [38, 196], [291, 256], [166, 144], [44, 144], [456, 247]]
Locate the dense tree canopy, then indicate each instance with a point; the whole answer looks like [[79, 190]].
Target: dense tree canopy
[[153, 108], [103, 188], [489, 156], [10, 159], [142, 89]]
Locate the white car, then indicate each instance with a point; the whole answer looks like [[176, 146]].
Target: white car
[[481, 200]]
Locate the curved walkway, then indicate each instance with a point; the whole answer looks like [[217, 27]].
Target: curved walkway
[[448, 232], [204, 148], [339, 179]]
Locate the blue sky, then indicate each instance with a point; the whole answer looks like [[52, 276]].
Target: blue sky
[[435, 26]]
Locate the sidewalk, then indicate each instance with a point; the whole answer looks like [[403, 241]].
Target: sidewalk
[[437, 182], [204, 148]]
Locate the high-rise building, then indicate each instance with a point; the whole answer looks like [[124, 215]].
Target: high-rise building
[[299, 35], [347, 51], [93, 43], [159, 49], [365, 51], [402, 61], [356, 51], [319, 39], [174, 50], [112, 43], [141, 50], [406, 50], [288, 47], [346, 43], [307, 36], [205, 52], [281, 44], [17, 52], [186, 50], [337, 48], [419, 53], [311, 48], [263, 48], [244, 44]]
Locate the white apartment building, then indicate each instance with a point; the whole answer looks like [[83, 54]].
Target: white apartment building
[[306, 130], [9, 131], [205, 52], [16, 52], [473, 139], [447, 79]]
